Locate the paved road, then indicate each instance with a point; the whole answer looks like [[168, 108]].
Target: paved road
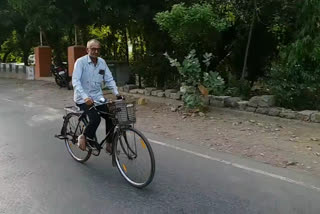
[[37, 175]]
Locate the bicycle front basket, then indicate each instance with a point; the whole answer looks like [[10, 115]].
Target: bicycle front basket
[[124, 112]]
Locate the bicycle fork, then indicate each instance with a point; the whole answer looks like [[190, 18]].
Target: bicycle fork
[[116, 135]]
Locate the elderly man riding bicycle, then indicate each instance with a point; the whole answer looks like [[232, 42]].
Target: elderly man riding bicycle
[[89, 72], [130, 150]]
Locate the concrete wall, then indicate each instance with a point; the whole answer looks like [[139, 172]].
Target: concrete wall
[[120, 72], [12, 70]]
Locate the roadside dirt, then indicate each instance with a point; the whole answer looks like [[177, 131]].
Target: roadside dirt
[[276, 141]]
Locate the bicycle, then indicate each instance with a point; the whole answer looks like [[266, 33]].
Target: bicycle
[[126, 141]]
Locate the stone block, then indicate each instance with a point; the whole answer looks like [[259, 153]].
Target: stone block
[[251, 109], [288, 113], [232, 102], [147, 91], [315, 117], [169, 91], [274, 111], [262, 101], [262, 110], [220, 98], [176, 96], [243, 105], [129, 87], [186, 89], [217, 103], [161, 94], [140, 91], [154, 93], [305, 115], [134, 91]]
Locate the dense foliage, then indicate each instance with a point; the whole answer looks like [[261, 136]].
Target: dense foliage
[[269, 43], [295, 76]]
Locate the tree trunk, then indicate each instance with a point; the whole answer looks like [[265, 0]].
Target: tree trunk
[[140, 80], [58, 59], [4, 59], [126, 44], [25, 57], [134, 50], [83, 32], [115, 55], [70, 35], [75, 35], [244, 69], [142, 52]]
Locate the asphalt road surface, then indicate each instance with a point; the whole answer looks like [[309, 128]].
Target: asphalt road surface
[[37, 175]]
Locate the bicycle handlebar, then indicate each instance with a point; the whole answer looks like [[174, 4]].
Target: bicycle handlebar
[[103, 102]]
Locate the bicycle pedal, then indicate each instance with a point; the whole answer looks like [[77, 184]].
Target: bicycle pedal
[[60, 137], [107, 152], [88, 147], [96, 152]]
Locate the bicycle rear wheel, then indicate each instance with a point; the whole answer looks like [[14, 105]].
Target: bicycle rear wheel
[[73, 127], [134, 157]]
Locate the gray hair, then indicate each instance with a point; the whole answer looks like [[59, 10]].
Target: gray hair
[[92, 41]]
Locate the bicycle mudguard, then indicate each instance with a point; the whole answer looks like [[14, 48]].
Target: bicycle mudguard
[[114, 164]]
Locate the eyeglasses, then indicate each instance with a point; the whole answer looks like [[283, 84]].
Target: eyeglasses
[[95, 49]]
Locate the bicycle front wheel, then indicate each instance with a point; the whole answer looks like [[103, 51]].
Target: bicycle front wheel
[[134, 157]]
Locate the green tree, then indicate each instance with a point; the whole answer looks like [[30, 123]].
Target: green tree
[[197, 26], [295, 75]]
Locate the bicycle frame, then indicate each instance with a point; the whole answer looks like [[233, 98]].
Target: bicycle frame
[[116, 130], [83, 117]]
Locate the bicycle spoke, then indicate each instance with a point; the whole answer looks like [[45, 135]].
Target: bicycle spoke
[[135, 158], [73, 129]]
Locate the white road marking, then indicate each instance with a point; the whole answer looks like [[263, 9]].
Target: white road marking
[[257, 171]]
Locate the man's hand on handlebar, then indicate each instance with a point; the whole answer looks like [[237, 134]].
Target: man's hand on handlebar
[[120, 97], [89, 101]]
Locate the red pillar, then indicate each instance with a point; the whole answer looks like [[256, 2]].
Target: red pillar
[[43, 61], [74, 52]]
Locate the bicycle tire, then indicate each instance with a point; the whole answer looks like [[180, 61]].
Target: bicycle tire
[[123, 167], [72, 129]]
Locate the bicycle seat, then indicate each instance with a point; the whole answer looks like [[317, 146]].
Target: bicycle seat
[[73, 109]]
